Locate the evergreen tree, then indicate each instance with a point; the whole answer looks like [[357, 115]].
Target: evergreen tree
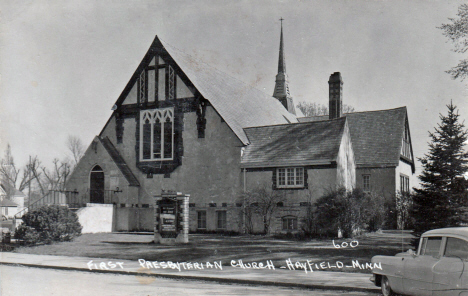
[[439, 201]]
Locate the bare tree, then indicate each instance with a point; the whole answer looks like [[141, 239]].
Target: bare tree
[[10, 175], [76, 147], [315, 109], [264, 202], [56, 178]]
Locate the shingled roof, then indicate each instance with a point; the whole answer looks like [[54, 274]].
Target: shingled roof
[[299, 144], [239, 104], [119, 161], [377, 136]]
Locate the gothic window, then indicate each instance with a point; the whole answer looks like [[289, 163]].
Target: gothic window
[[157, 134], [290, 177]]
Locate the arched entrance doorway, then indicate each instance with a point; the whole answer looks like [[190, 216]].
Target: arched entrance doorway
[[96, 185]]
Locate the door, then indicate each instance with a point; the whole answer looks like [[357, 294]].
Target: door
[[418, 275], [96, 185], [448, 271]]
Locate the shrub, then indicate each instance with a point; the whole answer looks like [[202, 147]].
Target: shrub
[[350, 212], [48, 224]]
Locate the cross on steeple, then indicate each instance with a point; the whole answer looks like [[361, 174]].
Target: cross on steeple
[[281, 20]]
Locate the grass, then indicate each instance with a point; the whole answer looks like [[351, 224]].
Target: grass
[[214, 247]]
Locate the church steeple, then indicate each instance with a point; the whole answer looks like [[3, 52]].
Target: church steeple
[[281, 86]]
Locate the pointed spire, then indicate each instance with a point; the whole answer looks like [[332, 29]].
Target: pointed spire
[[281, 91], [282, 58]]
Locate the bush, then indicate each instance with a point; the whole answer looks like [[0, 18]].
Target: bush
[[350, 212], [48, 224]]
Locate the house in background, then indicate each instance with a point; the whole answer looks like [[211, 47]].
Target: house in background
[[11, 205], [181, 125]]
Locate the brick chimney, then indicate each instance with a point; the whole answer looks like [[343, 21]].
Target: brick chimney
[[335, 87]]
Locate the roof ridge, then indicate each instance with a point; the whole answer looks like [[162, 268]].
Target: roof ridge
[[402, 107], [296, 123]]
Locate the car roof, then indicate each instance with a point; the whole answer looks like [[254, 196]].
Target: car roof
[[461, 231]]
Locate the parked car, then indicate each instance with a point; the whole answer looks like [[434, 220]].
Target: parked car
[[439, 267]]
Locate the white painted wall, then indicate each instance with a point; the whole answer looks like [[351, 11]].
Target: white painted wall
[[96, 218]]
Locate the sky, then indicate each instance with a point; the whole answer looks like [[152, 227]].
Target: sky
[[63, 64]]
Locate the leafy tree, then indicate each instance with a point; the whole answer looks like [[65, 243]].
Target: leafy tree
[[438, 203], [457, 33], [315, 109]]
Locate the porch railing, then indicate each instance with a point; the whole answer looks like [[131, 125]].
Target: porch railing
[[53, 197], [72, 199]]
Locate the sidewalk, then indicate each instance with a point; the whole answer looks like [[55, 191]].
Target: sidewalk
[[228, 274]]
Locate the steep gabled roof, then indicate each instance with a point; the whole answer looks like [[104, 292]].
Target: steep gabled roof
[[119, 161], [299, 144], [239, 104], [377, 136]]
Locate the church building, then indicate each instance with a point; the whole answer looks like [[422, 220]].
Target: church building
[[181, 125]]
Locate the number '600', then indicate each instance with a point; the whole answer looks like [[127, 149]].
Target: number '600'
[[344, 245]]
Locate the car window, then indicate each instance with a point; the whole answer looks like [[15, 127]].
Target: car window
[[456, 247], [431, 246]]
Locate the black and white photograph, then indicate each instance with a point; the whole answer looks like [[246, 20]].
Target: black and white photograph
[[284, 147]]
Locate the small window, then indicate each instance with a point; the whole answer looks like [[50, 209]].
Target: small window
[[366, 182], [221, 219], [290, 177], [201, 220], [456, 247], [431, 246], [289, 223], [404, 184]]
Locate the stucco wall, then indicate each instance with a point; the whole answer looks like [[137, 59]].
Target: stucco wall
[[113, 178], [346, 166], [320, 181], [210, 170], [382, 180], [405, 169], [96, 218]]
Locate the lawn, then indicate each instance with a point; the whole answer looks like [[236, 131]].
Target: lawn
[[214, 247]]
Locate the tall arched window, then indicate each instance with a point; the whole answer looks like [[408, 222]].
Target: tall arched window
[[96, 185], [157, 134]]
